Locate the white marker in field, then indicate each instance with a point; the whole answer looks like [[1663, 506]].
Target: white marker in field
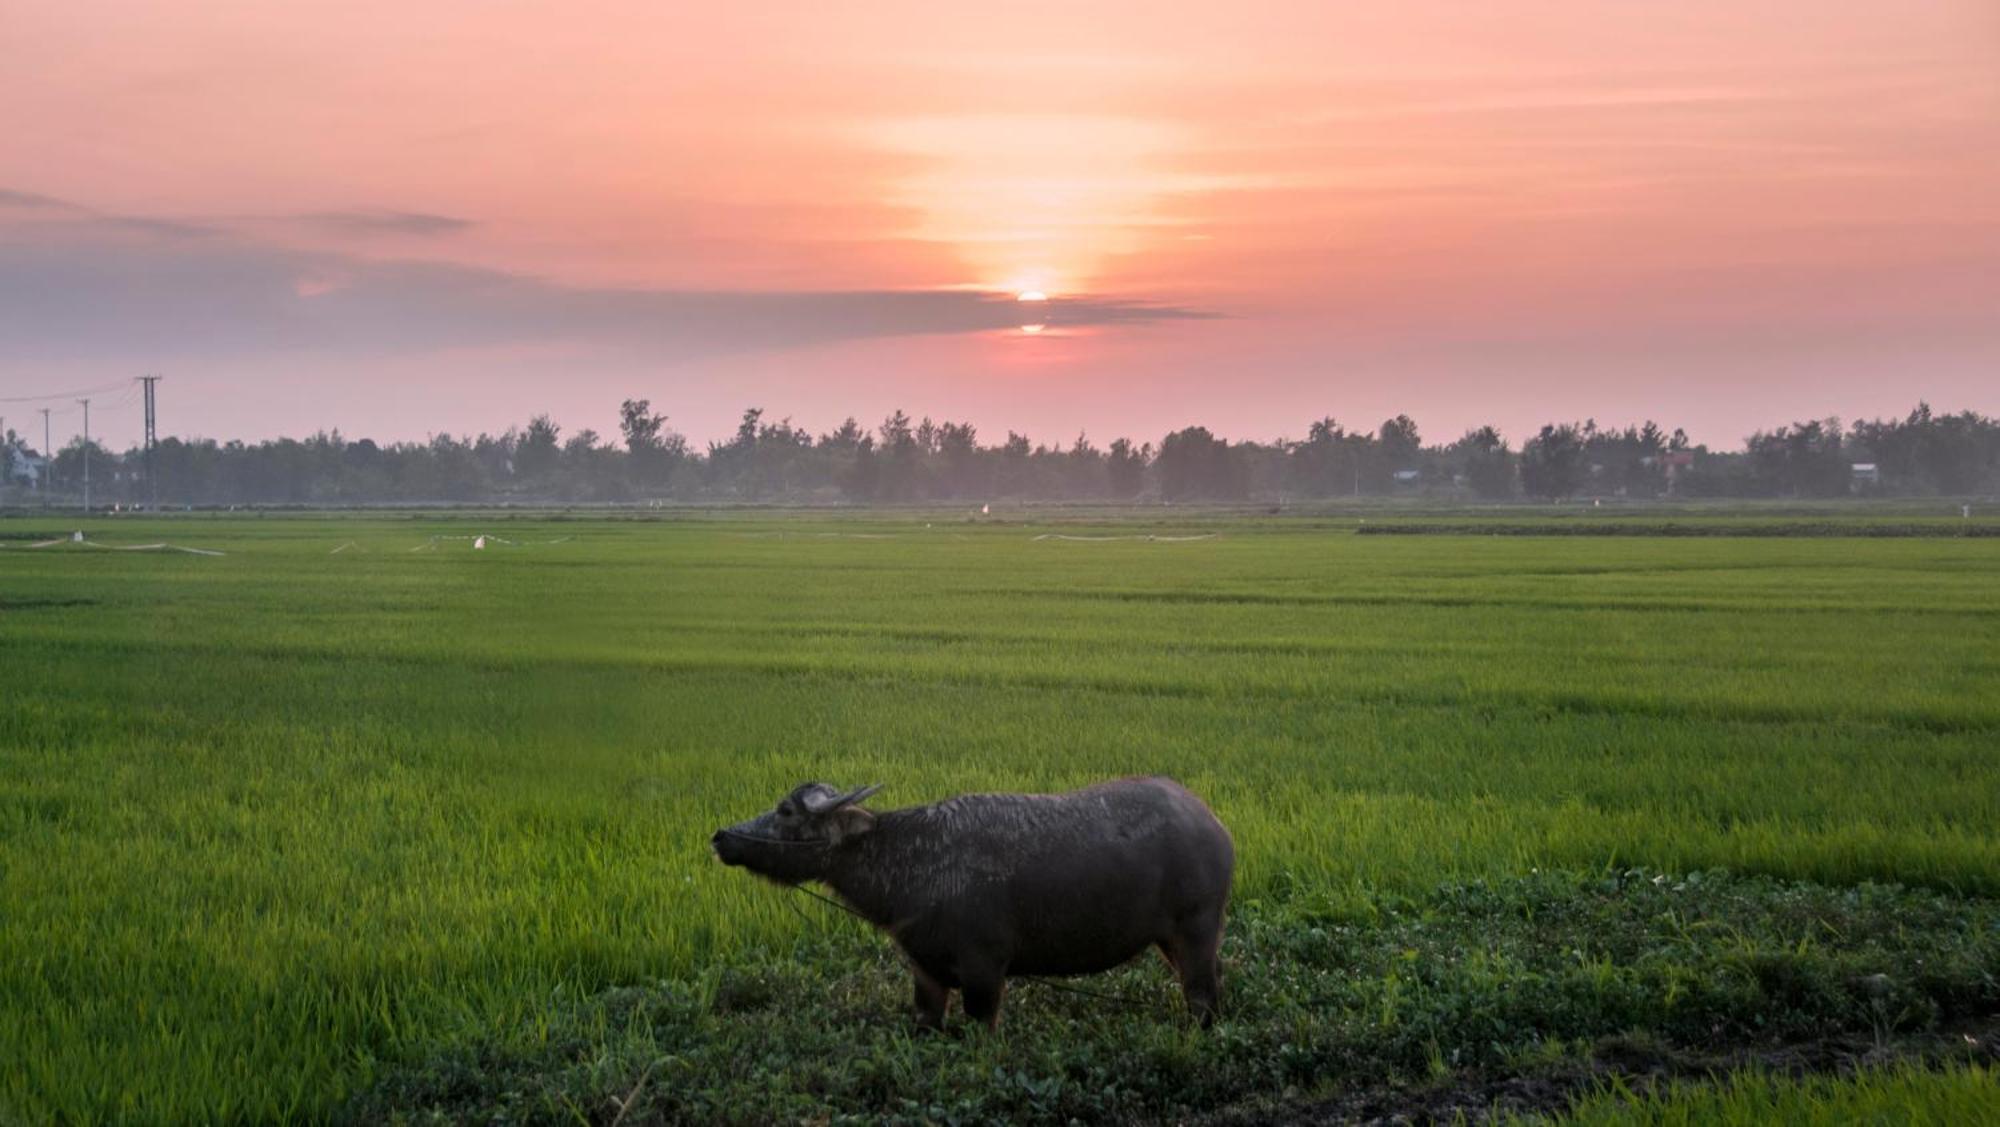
[[478, 543]]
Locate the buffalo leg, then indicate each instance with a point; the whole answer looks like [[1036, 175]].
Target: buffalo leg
[[1201, 985], [982, 998], [1195, 952], [932, 997]]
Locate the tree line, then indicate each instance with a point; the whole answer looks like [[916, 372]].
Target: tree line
[[921, 460]]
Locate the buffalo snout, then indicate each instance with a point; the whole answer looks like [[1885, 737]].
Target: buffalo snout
[[726, 848]]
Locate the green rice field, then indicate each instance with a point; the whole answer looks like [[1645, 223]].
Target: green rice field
[[354, 821]]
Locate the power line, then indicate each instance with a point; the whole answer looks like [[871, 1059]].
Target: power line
[[97, 406], [124, 400], [72, 394]]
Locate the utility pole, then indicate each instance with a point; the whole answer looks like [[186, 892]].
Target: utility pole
[[87, 454], [152, 443], [48, 456]]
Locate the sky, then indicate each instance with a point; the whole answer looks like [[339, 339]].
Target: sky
[[398, 219]]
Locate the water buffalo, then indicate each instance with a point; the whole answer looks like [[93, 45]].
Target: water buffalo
[[983, 886]]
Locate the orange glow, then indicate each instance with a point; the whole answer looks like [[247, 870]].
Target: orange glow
[[1038, 196]]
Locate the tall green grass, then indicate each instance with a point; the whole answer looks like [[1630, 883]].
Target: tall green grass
[[1902, 1097], [269, 817]]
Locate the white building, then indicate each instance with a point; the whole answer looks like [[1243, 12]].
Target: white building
[[24, 468]]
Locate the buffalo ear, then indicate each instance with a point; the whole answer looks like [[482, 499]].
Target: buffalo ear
[[847, 824]]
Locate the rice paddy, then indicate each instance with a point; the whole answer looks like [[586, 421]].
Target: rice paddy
[[278, 822]]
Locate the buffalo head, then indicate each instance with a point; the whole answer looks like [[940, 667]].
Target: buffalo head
[[796, 840]]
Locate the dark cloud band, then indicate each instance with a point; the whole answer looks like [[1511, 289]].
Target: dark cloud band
[[108, 287]]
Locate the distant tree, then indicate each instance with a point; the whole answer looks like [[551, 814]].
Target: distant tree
[[641, 429], [651, 450], [898, 462], [1552, 462], [1126, 468], [1652, 440], [840, 456], [362, 454], [1487, 464], [732, 465], [593, 471], [494, 453], [847, 437], [747, 429], [1931, 453], [1923, 452], [1334, 462], [537, 453], [782, 449], [1646, 470], [1316, 464], [895, 434], [456, 473], [1400, 442], [862, 479], [639, 425], [1801, 460], [1195, 464], [1083, 469], [1262, 468], [964, 463], [1626, 462], [1013, 478], [12, 452]]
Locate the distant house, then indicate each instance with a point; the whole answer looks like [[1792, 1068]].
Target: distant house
[[1675, 463], [23, 467], [1864, 473], [1407, 477]]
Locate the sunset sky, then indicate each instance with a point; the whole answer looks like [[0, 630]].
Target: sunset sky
[[398, 218]]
